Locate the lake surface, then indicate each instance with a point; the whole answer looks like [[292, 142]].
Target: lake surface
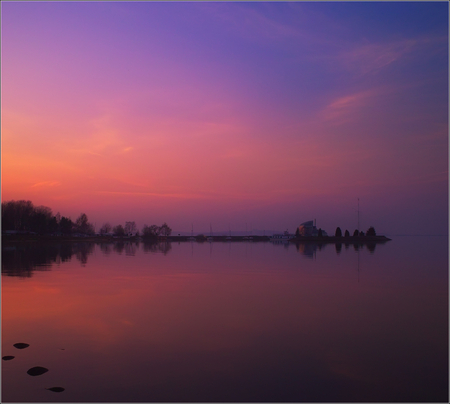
[[205, 322]]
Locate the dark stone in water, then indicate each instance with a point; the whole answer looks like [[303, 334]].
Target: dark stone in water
[[21, 345], [37, 371], [56, 389], [8, 358]]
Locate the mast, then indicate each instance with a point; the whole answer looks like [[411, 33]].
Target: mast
[[358, 214]]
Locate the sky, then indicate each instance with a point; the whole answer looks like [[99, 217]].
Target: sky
[[229, 115]]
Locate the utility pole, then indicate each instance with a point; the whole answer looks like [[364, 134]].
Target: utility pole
[[358, 214]]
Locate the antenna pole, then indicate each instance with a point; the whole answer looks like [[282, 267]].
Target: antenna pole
[[358, 214]]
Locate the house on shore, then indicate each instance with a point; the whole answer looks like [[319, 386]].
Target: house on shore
[[309, 229]]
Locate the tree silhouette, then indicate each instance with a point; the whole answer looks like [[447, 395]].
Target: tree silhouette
[[106, 228], [119, 230], [297, 232], [320, 233], [371, 231], [83, 226], [65, 225], [165, 230], [150, 231], [347, 233], [41, 220], [356, 233], [23, 217], [338, 232], [130, 227]]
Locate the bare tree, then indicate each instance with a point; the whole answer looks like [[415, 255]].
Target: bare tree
[[119, 231], [165, 230], [150, 231], [83, 226], [130, 227], [106, 228]]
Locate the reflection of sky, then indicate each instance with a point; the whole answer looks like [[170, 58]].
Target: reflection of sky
[[223, 112], [254, 320]]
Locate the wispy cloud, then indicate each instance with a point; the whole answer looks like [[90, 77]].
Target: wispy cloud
[[370, 57], [375, 56], [342, 109], [46, 184], [105, 139], [251, 23]]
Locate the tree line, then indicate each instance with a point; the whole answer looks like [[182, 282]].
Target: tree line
[[338, 233], [23, 217], [370, 232]]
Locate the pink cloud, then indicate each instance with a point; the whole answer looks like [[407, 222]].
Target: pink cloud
[[343, 109], [46, 184], [372, 57]]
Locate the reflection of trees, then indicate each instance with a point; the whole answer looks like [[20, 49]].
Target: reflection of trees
[[105, 248], [66, 251], [306, 249], [157, 247], [21, 260], [83, 250], [130, 249], [119, 246]]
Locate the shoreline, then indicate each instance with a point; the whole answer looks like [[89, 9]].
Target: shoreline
[[198, 239]]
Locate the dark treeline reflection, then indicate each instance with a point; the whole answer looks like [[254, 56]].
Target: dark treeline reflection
[[21, 259], [309, 249], [163, 247]]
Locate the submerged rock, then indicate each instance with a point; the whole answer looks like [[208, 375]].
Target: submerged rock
[[56, 389], [37, 371], [8, 358], [21, 345]]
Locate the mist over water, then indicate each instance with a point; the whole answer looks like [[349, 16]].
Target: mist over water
[[264, 322]]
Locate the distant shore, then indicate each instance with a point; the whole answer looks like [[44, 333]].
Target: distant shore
[[200, 238]]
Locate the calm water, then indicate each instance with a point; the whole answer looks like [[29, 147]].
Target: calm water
[[226, 322]]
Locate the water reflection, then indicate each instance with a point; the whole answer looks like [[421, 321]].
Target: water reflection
[[308, 249], [228, 322], [106, 248], [163, 247], [21, 259]]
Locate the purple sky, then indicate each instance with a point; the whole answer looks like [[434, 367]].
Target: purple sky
[[265, 114]]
